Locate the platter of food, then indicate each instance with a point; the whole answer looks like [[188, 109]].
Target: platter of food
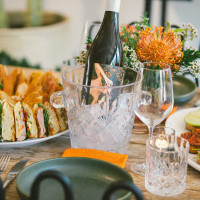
[[187, 124], [30, 142], [26, 115]]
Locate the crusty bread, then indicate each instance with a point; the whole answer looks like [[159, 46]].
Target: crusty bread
[[62, 118], [30, 121], [53, 120], [9, 82], [5, 97], [19, 122], [8, 123], [21, 90], [192, 128]]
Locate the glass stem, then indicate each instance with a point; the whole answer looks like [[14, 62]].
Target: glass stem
[[150, 130]]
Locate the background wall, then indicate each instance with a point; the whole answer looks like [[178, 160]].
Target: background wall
[[78, 11]]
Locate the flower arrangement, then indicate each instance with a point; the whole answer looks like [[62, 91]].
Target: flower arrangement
[[142, 42]]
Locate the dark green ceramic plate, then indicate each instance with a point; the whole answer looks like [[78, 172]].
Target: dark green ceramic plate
[[184, 89], [89, 178]]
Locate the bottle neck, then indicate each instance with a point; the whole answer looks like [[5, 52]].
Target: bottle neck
[[113, 5], [111, 21]]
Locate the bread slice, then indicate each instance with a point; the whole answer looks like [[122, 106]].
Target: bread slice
[[62, 118], [8, 123], [20, 127], [192, 120], [7, 98], [53, 120], [31, 127]]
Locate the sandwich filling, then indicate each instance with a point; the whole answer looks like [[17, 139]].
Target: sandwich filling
[[26, 124], [23, 127], [40, 119], [43, 119]]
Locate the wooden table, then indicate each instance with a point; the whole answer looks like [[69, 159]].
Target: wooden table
[[54, 148]]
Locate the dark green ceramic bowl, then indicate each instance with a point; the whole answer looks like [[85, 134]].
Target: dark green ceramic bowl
[[89, 179], [184, 89]]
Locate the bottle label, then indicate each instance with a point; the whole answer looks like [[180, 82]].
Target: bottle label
[[104, 75], [113, 5]]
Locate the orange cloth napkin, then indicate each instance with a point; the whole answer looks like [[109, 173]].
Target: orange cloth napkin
[[115, 158]]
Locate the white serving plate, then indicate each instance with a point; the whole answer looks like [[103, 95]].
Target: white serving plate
[[30, 142], [176, 121]]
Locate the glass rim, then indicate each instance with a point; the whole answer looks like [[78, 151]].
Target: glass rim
[[90, 21], [99, 87], [146, 68], [166, 151]]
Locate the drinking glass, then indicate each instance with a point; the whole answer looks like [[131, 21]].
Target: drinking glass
[[166, 164], [163, 130], [90, 31], [155, 100]]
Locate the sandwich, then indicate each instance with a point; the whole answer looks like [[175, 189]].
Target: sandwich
[[53, 120], [25, 123], [62, 118], [46, 119], [7, 122], [192, 121]]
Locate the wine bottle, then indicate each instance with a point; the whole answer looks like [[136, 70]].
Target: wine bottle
[[104, 61]]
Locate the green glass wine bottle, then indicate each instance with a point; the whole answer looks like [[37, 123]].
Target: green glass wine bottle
[[105, 59]]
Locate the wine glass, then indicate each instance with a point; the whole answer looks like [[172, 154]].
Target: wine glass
[[90, 31], [155, 99]]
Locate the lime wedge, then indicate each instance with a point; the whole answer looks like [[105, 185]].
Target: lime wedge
[[193, 118]]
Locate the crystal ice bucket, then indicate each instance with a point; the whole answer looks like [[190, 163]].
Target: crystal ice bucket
[[106, 123]]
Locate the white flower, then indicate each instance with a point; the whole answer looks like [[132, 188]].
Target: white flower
[[133, 36], [125, 47], [133, 55], [191, 48], [195, 67]]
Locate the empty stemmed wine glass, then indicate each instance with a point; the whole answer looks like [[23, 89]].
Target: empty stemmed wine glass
[[90, 31], [155, 101]]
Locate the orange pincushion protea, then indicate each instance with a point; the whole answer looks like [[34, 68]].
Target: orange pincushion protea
[[158, 46]]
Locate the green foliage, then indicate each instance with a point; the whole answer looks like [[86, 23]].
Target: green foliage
[[89, 40], [6, 59], [27, 134], [130, 41], [58, 69], [189, 56]]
